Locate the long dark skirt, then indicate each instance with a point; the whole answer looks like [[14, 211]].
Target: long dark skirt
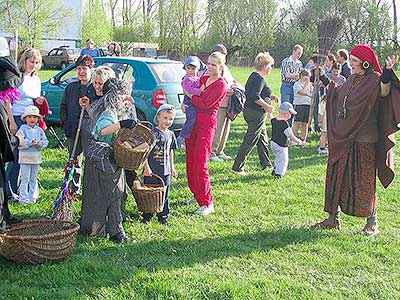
[[351, 182], [101, 201]]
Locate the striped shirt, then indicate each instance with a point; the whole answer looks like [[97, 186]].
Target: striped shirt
[[290, 66]]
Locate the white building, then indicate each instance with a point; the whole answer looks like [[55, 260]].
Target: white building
[[70, 34]]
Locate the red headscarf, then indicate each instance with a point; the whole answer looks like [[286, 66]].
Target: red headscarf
[[366, 53]]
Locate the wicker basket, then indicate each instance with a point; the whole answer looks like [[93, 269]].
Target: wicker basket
[[149, 197], [129, 151], [38, 241]]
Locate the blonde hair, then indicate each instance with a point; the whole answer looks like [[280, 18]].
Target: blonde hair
[[263, 59], [297, 47], [104, 72], [305, 72], [27, 54], [221, 59]]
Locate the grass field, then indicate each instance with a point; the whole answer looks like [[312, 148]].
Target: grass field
[[257, 245]]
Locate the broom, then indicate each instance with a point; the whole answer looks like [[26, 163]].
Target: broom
[[63, 209], [328, 33]]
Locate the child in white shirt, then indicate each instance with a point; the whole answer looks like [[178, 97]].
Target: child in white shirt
[[302, 90]]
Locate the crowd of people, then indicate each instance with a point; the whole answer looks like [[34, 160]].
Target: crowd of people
[[353, 104]]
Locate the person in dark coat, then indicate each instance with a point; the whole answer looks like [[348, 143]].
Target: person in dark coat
[[363, 115], [70, 112], [10, 78]]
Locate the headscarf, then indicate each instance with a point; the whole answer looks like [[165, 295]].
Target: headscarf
[[114, 100], [366, 53]]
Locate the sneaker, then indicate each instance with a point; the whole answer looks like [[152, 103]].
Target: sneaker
[[240, 172], [24, 201], [223, 156], [163, 220], [215, 158], [205, 210], [323, 151], [191, 201], [120, 238]]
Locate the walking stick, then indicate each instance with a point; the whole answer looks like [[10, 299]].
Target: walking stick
[[315, 93], [77, 133], [54, 134], [63, 208]]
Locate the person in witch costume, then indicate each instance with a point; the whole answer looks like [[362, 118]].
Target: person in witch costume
[[10, 78], [363, 116]]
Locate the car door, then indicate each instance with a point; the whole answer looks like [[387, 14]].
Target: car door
[[53, 90], [49, 58], [59, 57]]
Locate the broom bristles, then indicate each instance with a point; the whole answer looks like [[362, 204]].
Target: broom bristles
[[328, 33]]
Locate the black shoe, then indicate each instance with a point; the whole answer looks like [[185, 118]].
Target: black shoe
[[277, 176], [14, 220], [120, 238], [146, 220], [163, 220]]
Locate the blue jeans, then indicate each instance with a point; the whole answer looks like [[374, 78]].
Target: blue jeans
[[287, 95], [29, 189], [12, 171]]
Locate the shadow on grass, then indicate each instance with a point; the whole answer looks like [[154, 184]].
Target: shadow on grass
[[96, 263]]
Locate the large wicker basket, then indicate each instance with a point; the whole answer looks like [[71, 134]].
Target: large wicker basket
[[132, 146], [149, 197], [38, 241]]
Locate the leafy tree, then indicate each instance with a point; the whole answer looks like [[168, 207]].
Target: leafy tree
[[249, 24], [95, 23], [364, 21], [33, 18], [179, 24]]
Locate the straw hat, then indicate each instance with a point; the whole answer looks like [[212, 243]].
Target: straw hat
[[31, 111]]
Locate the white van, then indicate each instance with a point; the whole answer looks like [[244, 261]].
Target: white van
[[4, 49]]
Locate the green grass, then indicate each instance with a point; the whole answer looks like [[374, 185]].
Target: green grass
[[257, 245]]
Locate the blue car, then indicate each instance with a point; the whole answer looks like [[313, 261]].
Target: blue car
[[155, 82]]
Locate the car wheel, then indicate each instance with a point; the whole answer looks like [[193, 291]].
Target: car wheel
[[63, 65]]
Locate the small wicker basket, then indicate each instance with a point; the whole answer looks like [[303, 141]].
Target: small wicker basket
[[149, 197], [132, 146], [38, 241]]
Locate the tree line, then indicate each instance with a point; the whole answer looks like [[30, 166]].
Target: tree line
[[188, 26]]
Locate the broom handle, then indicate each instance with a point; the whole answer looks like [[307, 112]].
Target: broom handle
[[314, 96], [77, 133]]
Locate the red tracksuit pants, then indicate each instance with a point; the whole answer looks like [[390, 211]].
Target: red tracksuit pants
[[198, 150]]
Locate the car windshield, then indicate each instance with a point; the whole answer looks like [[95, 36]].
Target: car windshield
[[73, 51], [168, 72]]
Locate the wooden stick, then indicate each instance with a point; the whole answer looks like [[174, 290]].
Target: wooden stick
[[314, 96], [77, 133]]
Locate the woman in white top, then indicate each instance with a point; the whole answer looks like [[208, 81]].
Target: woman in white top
[[29, 64]]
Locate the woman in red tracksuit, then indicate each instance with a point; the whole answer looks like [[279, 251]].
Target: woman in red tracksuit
[[198, 145]]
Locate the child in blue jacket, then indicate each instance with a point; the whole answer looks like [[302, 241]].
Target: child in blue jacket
[[32, 141]]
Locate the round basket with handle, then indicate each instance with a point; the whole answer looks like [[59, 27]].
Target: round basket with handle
[[149, 197], [132, 146], [38, 241]]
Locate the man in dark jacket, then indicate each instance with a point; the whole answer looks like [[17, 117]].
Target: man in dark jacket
[[10, 78], [70, 112]]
